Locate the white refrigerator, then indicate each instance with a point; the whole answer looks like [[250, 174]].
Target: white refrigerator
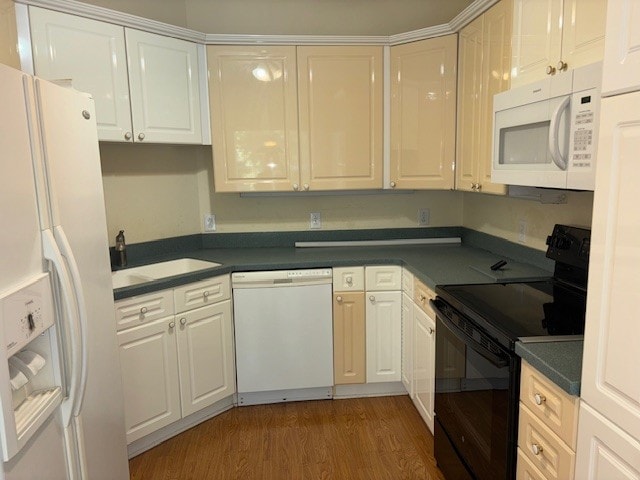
[[62, 414]]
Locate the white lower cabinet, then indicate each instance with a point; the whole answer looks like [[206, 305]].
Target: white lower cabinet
[[383, 331], [176, 365], [424, 344], [407, 343]]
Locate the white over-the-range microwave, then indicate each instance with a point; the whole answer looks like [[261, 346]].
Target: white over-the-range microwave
[[545, 134]]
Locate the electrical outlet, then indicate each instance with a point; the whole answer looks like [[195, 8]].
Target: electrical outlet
[[315, 222], [522, 231], [209, 222], [423, 217]]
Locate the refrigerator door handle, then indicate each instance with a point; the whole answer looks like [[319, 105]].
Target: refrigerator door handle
[[52, 253], [67, 253]]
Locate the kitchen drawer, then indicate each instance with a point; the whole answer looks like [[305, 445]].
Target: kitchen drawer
[[526, 470], [203, 293], [383, 278], [554, 458], [556, 408], [407, 282], [421, 296], [143, 308], [348, 279]]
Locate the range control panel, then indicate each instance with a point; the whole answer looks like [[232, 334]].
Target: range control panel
[[26, 312]]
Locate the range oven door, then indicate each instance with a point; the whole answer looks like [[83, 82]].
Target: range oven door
[[476, 400]]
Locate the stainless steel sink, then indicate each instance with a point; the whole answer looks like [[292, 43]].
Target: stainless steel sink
[[157, 271]]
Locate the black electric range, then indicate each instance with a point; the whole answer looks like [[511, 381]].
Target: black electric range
[[477, 370]]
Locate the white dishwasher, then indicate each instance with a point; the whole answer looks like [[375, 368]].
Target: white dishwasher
[[284, 335]]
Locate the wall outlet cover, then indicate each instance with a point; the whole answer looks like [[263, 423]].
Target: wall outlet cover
[[209, 222], [315, 222], [423, 217]]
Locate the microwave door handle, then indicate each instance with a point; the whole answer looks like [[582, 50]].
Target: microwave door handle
[[554, 135]]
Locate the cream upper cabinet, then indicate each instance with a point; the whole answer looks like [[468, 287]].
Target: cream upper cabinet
[[484, 61], [423, 111], [8, 34], [621, 70], [340, 112], [254, 118], [551, 36], [145, 86]]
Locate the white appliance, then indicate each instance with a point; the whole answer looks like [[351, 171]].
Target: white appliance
[[284, 335], [545, 133], [61, 405]]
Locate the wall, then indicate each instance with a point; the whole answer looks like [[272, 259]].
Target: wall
[[500, 216], [8, 34]]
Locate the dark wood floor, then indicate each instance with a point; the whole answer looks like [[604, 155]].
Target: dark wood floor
[[366, 438]]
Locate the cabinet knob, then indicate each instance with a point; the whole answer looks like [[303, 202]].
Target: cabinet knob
[[172, 324], [536, 449], [296, 187], [422, 298], [539, 399], [562, 66], [338, 299], [430, 330], [183, 321], [141, 136], [127, 135], [393, 184], [478, 186], [372, 299], [551, 70], [306, 186], [86, 115], [206, 294], [349, 280]]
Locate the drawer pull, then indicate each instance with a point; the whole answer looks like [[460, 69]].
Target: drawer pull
[[338, 299], [206, 294], [372, 299], [349, 280], [536, 449], [172, 324], [143, 310], [422, 298], [430, 330], [183, 321], [539, 399]]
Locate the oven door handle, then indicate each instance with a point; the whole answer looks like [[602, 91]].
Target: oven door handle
[[496, 360]]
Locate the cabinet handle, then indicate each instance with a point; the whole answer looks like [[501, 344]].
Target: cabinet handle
[[183, 321], [127, 135], [306, 186], [372, 299], [172, 324], [539, 399], [536, 449], [143, 310], [430, 330], [551, 70], [338, 299], [296, 187], [562, 66], [393, 184]]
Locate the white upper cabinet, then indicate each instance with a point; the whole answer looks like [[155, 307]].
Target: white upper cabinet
[[551, 36], [145, 86], [621, 71]]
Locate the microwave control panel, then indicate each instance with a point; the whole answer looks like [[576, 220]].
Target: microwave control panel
[[26, 312], [584, 120]]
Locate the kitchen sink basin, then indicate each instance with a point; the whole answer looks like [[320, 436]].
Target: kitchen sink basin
[[157, 271]]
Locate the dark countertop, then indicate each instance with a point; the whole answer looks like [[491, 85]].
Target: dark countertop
[[560, 362]]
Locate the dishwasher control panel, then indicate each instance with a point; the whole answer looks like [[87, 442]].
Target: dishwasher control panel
[[247, 279], [316, 273]]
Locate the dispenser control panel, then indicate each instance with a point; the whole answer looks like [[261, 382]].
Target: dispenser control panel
[[26, 312]]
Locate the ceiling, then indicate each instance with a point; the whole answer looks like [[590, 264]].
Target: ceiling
[[294, 17]]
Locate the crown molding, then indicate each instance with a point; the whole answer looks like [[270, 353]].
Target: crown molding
[[75, 7]]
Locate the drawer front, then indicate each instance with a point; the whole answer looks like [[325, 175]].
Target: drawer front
[[421, 296], [143, 308], [556, 408], [407, 282], [383, 278], [544, 448], [348, 279], [203, 293], [527, 470]]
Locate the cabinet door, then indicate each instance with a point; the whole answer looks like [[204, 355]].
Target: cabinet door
[[470, 95], [604, 450], [621, 70], [165, 92], [407, 343], [340, 106], [496, 78], [90, 53], [254, 118], [149, 365], [384, 330], [423, 111], [612, 328], [348, 338], [583, 24], [9, 54], [424, 337], [537, 39], [206, 358]]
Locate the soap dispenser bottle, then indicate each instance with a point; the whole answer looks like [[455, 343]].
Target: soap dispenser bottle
[[121, 250]]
